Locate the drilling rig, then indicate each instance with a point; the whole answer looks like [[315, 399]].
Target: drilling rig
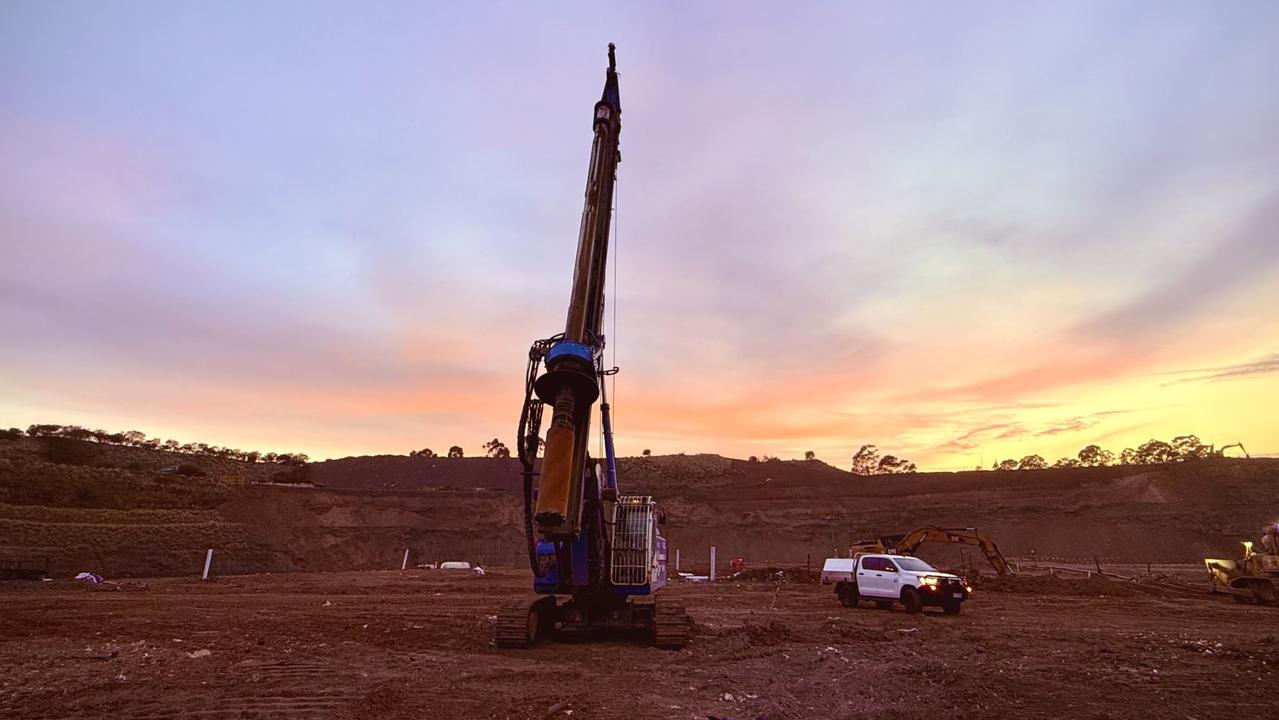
[[598, 557]]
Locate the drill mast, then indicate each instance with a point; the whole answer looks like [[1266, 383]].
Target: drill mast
[[601, 553], [572, 380]]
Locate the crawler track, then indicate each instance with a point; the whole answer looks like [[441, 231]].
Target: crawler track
[[670, 624]]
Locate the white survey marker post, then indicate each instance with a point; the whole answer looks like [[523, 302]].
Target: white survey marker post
[[712, 575], [208, 560], [676, 559], [404, 565]]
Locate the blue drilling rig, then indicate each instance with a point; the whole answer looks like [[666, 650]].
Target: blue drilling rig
[[598, 557]]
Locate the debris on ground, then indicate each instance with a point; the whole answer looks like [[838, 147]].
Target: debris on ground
[[777, 574]]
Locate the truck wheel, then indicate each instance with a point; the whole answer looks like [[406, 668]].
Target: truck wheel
[[912, 601], [848, 595], [951, 608]]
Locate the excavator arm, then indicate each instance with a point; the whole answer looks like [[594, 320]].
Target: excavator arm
[[909, 543]]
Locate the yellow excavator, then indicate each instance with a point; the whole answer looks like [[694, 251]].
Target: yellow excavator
[[908, 543], [1254, 578]]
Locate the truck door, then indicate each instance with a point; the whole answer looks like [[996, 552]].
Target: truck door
[[870, 576], [892, 581]]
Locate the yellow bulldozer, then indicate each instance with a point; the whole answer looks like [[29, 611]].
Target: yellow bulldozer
[[908, 543], [1254, 578]]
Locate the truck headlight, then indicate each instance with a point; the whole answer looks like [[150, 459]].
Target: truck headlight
[[930, 580]]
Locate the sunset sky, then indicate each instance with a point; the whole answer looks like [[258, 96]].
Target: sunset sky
[[962, 232]]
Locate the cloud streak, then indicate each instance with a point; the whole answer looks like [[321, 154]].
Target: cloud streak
[[1262, 366]]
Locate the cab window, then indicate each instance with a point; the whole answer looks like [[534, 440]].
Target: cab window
[[870, 563]]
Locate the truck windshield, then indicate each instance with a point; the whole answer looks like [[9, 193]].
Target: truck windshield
[[914, 565]]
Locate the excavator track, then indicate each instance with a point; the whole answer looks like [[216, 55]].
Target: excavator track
[[520, 624], [671, 629]]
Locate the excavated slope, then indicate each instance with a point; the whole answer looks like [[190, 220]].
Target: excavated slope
[[115, 515]]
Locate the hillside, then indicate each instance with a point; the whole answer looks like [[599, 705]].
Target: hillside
[[784, 510], [116, 515]]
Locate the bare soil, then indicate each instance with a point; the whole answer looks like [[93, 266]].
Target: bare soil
[[417, 644]]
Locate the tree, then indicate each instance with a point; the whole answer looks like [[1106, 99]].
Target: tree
[[1188, 447], [424, 452], [1032, 462], [646, 452], [1008, 464], [866, 460], [1066, 463], [495, 448], [455, 452], [753, 459], [1094, 456], [75, 432], [893, 465], [1128, 457], [810, 455], [1155, 451]]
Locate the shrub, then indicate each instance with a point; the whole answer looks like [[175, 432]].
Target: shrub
[[66, 451]]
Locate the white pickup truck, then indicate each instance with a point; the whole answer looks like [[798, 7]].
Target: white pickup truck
[[885, 579]]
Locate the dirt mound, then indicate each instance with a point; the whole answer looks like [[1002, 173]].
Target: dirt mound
[[1095, 586], [400, 472]]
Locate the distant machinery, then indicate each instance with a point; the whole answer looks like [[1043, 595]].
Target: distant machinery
[[1252, 578], [908, 544], [1221, 452]]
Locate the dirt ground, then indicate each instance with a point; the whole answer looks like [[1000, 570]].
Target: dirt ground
[[418, 645]]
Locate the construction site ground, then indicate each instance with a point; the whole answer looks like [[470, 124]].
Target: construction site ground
[[417, 644]]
